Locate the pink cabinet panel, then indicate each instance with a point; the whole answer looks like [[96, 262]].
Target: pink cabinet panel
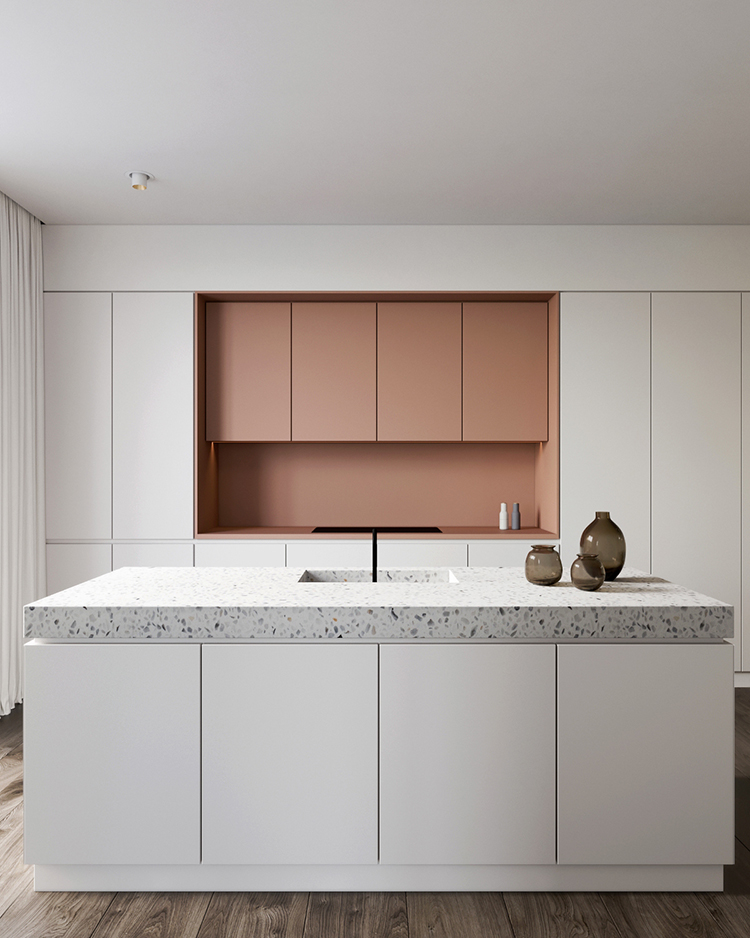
[[505, 371], [333, 371], [419, 371], [248, 371]]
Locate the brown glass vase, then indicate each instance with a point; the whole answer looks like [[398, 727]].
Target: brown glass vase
[[543, 565], [603, 537], [587, 572]]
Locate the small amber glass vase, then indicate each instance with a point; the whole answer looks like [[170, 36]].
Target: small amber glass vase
[[587, 572], [543, 565], [604, 538]]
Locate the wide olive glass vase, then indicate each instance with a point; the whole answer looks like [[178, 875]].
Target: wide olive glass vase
[[603, 537], [587, 572], [543, 565]]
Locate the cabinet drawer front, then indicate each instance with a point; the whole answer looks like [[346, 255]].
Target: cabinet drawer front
[[240, 554], [421, 553], [467, 754], [290, 754]]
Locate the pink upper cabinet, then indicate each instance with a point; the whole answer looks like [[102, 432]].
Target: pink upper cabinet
[[419, 371], [505, 371], [333, 371], [248, 371]]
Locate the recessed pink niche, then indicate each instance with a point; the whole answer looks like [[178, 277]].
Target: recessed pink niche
[[358, 475]]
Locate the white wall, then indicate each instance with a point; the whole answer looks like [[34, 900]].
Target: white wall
[[226, 257]]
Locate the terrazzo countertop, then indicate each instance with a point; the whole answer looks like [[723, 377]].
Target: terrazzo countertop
[[277, 603]]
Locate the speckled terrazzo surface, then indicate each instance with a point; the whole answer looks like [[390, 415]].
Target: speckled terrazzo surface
[[480, 603]]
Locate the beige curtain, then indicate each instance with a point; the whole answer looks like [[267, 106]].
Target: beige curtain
[[22, 566]]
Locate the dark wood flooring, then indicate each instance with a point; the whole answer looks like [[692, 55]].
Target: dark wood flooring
[[26, 914]]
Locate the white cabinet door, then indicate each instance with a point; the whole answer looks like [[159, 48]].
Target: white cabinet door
[[605, 418], [326, 554], [696, 443], [78, 414], [422, 553], [231, 553], [70, 564], [152, 374], [152, 555], [112, 754], [501, 553], [290, 758], [646, 754], [467, 754]]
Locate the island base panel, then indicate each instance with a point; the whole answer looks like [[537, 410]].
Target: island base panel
[[379, 878]]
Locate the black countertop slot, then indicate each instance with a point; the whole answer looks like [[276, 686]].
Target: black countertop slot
[[356, 530]]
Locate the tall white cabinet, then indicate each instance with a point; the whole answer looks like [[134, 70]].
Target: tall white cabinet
[[78, 415], [152, 415], [696, 442], [605, 402], [119, 432]]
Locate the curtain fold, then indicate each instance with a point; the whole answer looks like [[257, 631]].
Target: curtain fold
[[22, 534]]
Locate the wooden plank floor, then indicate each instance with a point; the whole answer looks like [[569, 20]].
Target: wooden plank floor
[[26, 914]]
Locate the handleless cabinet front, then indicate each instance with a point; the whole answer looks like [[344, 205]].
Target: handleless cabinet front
[[467, 754], [248, 371], [419, 371], [645, 754], [112, 754], [505, 371], [290, 754], [333, 371]]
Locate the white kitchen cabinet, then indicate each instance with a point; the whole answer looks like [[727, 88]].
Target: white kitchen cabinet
[[605, 418], [467, 754], [235, 553], [645, 754], [70, 564], [696, 498], [398, 553], [290, 754], [327, 554], [508, 553], [152, 555], [78, 414], [112, 754], [152, 422]]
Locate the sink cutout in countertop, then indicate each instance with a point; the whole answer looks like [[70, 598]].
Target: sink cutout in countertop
[[418, 575]]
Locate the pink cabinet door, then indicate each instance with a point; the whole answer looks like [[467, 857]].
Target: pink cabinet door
[[333, 371], [419, 371], [248, 371], [505, 371]]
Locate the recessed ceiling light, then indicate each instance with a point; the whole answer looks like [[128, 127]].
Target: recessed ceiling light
[[139, 180]]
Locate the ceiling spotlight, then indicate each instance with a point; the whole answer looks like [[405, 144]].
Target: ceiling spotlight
[[139, 180]]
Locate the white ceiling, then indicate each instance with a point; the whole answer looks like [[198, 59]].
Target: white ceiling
[[377, 111]]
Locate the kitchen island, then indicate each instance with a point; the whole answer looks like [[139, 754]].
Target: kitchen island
[[290, 729]]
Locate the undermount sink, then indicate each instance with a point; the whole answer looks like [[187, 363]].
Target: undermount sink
[[418, 575]]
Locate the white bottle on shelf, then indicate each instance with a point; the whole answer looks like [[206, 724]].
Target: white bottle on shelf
[[503, 516]]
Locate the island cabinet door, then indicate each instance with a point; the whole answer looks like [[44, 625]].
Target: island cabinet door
[[112, 754], [646, 754], [467, 754], [290, 758]]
